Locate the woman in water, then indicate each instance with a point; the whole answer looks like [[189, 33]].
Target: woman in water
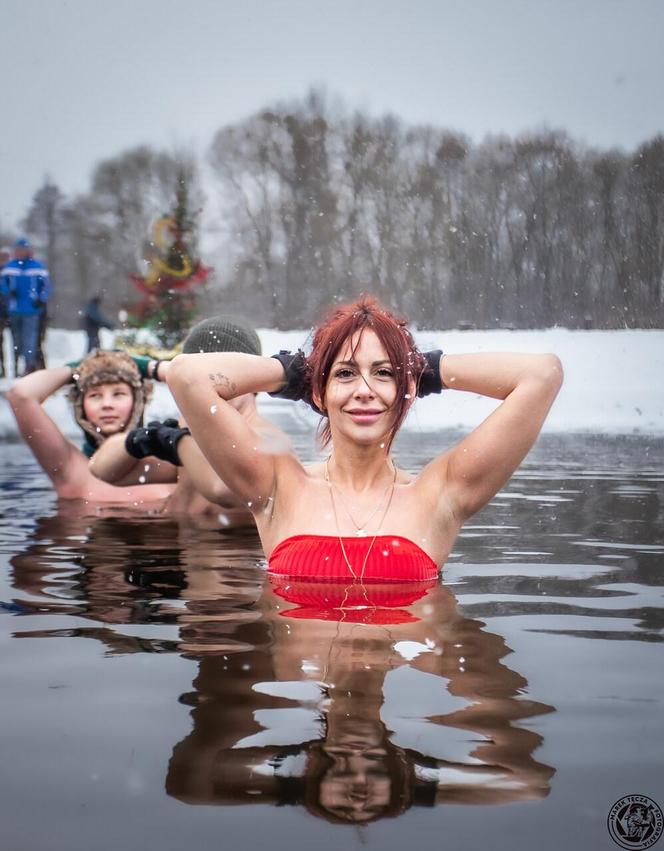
[[355, 516]]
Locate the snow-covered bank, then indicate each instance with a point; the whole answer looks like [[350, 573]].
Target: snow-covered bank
[[613, 379]]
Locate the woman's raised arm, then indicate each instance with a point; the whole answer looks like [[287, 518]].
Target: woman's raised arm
[[202, 384], [472, 472]]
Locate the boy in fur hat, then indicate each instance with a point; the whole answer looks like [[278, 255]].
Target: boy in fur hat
[[92, 374], [109, 396]]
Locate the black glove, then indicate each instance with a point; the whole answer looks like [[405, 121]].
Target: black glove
[[155, 368], [430, 380], [158, 439], [296, 375], [138, 441], [297, 380]]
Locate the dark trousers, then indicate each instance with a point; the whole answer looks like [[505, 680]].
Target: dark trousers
[[25, 334], [93, 339]]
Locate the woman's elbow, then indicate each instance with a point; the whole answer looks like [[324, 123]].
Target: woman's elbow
[[178, 371], [550, 372]]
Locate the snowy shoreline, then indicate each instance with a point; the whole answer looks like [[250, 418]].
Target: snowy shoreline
[[613, 379]]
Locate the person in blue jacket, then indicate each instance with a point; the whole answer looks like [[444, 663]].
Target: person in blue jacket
[[25, 284]]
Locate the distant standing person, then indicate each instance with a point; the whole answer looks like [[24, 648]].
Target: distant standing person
[[5, 257], [93, 320], [24, 282]]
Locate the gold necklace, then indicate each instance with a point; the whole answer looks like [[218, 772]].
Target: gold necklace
[[336, 523], [360, 530]]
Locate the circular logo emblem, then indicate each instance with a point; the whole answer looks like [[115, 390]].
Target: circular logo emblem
[[635, 822]]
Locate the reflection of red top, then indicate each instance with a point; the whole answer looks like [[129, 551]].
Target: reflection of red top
[[354, 602], [392, 558]]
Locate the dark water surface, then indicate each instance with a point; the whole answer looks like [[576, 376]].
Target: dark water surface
[[158, 692]]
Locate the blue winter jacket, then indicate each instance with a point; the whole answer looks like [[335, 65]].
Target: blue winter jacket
[[25, 285]]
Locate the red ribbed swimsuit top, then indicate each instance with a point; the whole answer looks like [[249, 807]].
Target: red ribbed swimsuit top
[[319, 557]]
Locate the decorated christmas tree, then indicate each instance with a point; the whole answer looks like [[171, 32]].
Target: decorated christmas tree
[[169, 287]]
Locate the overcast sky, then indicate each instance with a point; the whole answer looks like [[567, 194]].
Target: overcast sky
[[86, 79]]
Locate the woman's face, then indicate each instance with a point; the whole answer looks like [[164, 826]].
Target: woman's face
[[357, 787], [361, 389], [108, 406]]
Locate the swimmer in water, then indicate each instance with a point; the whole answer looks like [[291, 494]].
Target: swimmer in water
[[168, 446], [356, 516], [108, 396]]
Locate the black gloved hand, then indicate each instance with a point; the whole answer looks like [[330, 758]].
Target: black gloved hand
[[430, 380], [296, 375], [158, 439], [138, 442], [297, 379]]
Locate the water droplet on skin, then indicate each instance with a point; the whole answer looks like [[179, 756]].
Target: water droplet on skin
[[213, 409], [141, 479], [249, 504], [382, 446], [407, 396], [146, 468], [452, 380]]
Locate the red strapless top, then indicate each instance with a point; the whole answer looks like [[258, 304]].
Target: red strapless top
[[320, 558]]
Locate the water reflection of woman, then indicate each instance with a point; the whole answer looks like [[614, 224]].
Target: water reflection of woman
[[355, 713], [360, 721]]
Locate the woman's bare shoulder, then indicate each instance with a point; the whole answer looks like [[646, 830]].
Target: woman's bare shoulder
[[291, 471]]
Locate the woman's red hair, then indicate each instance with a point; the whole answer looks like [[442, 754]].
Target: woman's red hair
[[339, 326]]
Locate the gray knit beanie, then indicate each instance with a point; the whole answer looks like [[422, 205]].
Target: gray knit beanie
[[222, 334]]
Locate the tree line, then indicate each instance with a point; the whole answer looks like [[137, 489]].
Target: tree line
[[306, 203]]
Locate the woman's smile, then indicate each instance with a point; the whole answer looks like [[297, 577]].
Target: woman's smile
[[364, 416]]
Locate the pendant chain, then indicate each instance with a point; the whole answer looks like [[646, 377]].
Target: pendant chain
[[360, 531], [336, 522]]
